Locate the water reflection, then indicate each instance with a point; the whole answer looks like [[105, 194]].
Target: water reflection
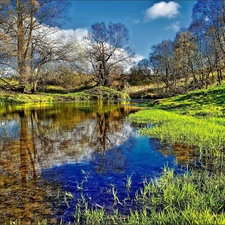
[[46, 136], [184, 154], [47, 147], [21, 197]]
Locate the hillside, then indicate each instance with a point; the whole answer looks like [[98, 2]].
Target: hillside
[[208, 102]]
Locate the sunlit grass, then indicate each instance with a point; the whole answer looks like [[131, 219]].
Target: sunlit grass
[[190, 198], [196, 120], [208, 102], [96, 93], [207, 136]]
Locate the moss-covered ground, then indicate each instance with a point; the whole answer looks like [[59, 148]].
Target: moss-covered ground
[[96, 93], [208, 102]]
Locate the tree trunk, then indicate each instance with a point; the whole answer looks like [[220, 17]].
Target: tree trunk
[[219, 76], [34, 86], [20, 45], [23, 147]]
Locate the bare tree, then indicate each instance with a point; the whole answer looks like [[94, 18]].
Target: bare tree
[[20, 19], [162, 61], [48, 46], [209, 16], [184, 52], [145, 68], [107, 50], [4, 34]]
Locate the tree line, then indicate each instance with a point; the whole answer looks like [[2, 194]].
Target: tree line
[[33, 46], [195, 58]]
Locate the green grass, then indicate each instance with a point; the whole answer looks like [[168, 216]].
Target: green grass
[[97, 93], [209, 102], [105, 93], [183, 199], [55, 89], [207, 136], [196, 120], [24, 98]]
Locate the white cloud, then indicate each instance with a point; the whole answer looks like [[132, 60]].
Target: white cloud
[[77, 34], [162, 9], [57, 36], [174, 26], [138, 58], [206, 19], [132, 62]]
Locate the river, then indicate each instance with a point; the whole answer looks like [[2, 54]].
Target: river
[[54, 155]]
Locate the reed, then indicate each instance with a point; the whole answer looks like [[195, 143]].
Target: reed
[[189, 198], [128, 182]]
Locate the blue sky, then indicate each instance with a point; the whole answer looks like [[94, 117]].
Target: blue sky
[[149, 22]]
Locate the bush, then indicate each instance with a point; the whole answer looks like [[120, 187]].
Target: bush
[[55, 89]]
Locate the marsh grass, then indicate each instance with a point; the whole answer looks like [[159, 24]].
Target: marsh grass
[[207, 136], [189, 198], [196, 120]]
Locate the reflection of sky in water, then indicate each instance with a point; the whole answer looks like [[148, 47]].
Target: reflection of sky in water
[[137, 157], [73, 149], [10, 129]]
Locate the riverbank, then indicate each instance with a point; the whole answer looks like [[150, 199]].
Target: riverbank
[[207, 102], [96, 93], [194, 121], [196, 124]]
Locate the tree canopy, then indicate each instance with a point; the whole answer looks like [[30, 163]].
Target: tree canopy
[[107, 50]]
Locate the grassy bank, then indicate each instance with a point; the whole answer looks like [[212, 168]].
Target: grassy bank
[[194, 120], [96, 93], [194, 197], [173, 199], [209, 102], [206, 135]]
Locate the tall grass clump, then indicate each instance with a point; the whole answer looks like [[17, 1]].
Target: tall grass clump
[[206, 136], [189, 198]]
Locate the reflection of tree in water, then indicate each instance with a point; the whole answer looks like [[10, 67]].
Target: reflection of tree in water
[[21, 197], [102, 130], [184, 154], [108, 130], [52, 137], [26, 156], [114, 159], [108, 133], [90, 133], [189, 155]]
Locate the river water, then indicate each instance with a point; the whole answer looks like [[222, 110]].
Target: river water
[[81, 149]]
